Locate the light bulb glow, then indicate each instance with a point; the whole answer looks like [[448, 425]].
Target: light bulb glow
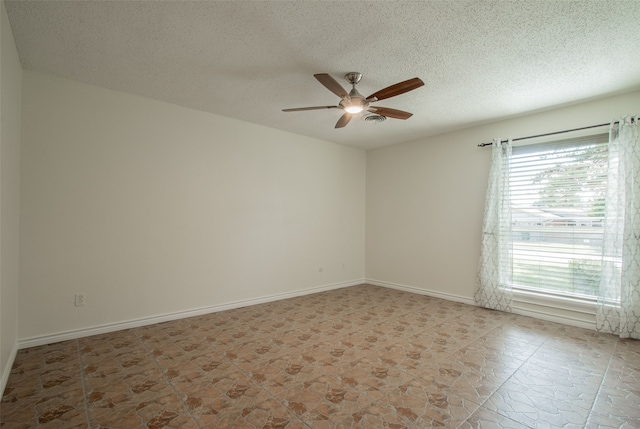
[[355, 103], [354, 109]]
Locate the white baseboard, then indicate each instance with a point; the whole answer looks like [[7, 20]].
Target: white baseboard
[[4, 377], [565, 320], [577, 312], [420, 291], [544, 315], [135, 323]]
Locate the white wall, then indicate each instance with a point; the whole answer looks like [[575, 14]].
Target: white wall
[[151, 209], [425, 199], [10, 114]]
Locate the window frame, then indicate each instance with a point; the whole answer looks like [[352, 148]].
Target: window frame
[[557, 299]]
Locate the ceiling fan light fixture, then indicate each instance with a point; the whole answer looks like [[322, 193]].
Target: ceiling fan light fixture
[[355, 103], [354, 108]]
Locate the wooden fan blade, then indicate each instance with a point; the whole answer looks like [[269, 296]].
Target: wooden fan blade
[[300, 109], [331, 84], [397, 89], [390, 113], [344, 120]]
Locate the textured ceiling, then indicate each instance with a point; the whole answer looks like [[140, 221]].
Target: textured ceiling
[[480, 60]]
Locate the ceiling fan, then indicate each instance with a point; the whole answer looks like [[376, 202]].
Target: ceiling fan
[[353, 102]]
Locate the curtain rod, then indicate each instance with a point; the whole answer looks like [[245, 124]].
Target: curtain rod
[[548, 134]]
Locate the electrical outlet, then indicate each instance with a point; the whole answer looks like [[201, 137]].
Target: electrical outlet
[[79, 299]]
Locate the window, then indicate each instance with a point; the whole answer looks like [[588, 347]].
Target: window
[[557, 210]]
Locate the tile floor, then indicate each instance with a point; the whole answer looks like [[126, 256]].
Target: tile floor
[[360, 357]]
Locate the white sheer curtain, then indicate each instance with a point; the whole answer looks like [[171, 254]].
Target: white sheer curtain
[[618, 310], [493, 289]]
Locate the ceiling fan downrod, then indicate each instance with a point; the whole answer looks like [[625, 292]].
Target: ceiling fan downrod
[[356, 102]]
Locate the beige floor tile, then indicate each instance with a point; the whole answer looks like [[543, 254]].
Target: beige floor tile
[[486, 419], [322, 399], [426, 406], [358, 357], [539, 396]]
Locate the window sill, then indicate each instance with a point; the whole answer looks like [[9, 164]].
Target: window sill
[[584, 305]]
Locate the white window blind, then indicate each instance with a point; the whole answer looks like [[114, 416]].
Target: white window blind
[[557, 208]]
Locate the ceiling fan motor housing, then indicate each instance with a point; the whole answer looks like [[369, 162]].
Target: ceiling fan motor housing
[[356, 102]]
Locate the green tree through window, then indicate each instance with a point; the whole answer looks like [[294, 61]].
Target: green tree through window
[[577, 179]]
